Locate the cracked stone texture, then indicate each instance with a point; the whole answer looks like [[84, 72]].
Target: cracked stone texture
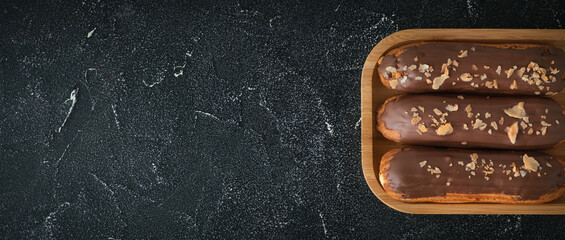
[[211, 120]]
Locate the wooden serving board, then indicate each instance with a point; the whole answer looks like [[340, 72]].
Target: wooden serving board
[[373, 94]]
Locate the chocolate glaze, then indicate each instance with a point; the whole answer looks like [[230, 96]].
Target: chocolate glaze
[[408, 178], [397, 116], [436, 54]]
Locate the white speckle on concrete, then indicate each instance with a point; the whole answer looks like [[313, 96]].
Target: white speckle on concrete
[[358, 123], [323, 224], [89, 34], [72, 98], [207, 115], [116, 116]]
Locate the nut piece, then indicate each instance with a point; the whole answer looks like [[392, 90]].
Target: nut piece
[[474, 67], [530, 163], [452, 108], [415, 120], [463, 54], [466, 77], [509, 72], [479, 124], [514, 85], [498, 70], [512, 132], [393, 83], [423, 163], [494, 125], [517, 111], [422, 128], [390, 69], [438, 81], [444, 129], [423, 67]]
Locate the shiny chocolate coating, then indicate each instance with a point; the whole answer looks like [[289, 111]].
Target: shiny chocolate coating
[[398, 115], [481, 63], [409, 173]]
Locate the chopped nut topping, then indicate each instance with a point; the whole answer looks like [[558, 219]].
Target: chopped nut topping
[[501, 121], [437, 112], [523, 173], [548, 164], [486, 67], [415, 59], [479, 124], [490, 131], [474, 157], [530, 66], [422, 128], [416, 120], [521, 71], [473, 49], [463, 54], [393, 83], [460, 97], [418, 78], [468, 108], [488, 84], [413, 67], [498, 70], [514, 85], [495, 83], [509, 72], [429, 81], [423, 67], [553, 70], [512, 132], [552, 62], [444, 129], [438, 81], [466, 77], [543, 130], [423, 163], [543, 123], [557, 121], [474, 67], [551, 93], [404, 68], [447, 183], [530, 163], [390, 69], [452, 108], [413, 109], [494, 125], [463, 143], [530, 131], [517, 111], [465, 127], [421, 108], [484, 76], [460, 163]]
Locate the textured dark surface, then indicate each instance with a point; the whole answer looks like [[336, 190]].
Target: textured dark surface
[[259, 136]]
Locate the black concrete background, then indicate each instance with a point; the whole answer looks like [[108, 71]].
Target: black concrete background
[[228, 119]]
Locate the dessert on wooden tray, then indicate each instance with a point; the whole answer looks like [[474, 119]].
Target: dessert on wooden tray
[[421, 174], [467, 121], [528, 69]]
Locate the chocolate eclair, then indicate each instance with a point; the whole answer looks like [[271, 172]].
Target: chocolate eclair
[[419, 174], [502, 122], [527, 69]]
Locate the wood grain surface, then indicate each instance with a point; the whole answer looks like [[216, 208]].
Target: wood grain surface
[[373, 94]]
